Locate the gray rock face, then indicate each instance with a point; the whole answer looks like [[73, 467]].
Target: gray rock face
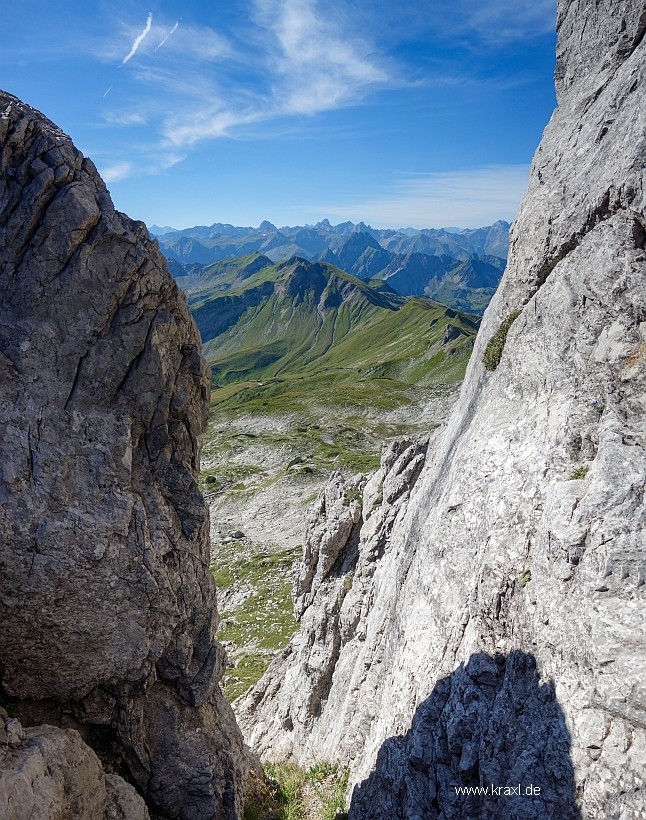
[[107, 603], [46, 772], [522, 549]]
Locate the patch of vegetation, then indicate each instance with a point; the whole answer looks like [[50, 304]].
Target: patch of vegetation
[[229, 477], [352, 494], [578, 473], [223, 577], [290, 779], [249, 668], [495, 346], [332, 795], [348, 581], [264, 622], [294, 793], [524, 578], [266, 618]]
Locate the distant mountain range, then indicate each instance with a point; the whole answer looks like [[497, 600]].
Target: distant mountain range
[[309, 320], [459, 267]]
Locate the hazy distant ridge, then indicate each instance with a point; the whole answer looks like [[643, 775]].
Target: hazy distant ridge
[[460, 267]]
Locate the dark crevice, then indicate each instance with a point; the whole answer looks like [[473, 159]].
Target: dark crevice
[[32, 229], [639, 234], [77, 376], [594, 97], [135, 361], [639, 36]]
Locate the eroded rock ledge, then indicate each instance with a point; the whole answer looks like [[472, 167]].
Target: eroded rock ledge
[[107, 603]]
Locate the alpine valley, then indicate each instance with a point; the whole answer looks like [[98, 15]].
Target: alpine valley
[[312, 370]]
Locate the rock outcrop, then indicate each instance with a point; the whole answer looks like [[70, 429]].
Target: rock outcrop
[[502, 635], [107, 602], [348, 537], [46, 772]]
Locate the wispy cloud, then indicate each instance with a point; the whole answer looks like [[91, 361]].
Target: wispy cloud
[[166, 36], [124, 118], [306, 64], [469, 198], [138, 40], [289, 61], [509, 20], [321, 66], [497, 22], [148, 163], [117, 172]]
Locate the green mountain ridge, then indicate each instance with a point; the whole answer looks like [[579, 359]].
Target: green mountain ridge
[[300, 323], [459, 267], [466, 282]]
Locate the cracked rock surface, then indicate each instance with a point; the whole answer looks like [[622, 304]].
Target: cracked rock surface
[[107, 603], [501, 635]]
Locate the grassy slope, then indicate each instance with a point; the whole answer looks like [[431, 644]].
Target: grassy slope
[[297, 329]]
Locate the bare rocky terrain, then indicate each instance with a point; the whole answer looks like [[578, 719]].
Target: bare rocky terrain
[[267, 472]]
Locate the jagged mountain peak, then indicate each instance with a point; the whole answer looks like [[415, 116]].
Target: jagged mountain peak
[[356, 248]]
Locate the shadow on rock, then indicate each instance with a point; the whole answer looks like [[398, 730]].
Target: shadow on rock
[[490, 742]]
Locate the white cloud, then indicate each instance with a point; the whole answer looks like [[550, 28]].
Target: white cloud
[[138, 40], [117, 172], [468, 198], [125, 118], [207, 125], [148, 164], [292, 59], [304, 64], [494, 22], [201, 43], [320, 65]]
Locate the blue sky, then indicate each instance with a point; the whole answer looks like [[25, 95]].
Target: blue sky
[[422, 112]]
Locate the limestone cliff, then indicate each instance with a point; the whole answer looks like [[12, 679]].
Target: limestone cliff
[[107, 603], [497, 633]]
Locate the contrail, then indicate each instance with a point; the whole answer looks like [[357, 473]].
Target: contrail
[[109, 90], [171, 32], [139, 40]]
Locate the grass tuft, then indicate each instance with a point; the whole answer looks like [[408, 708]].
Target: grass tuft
[[495, 346]]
